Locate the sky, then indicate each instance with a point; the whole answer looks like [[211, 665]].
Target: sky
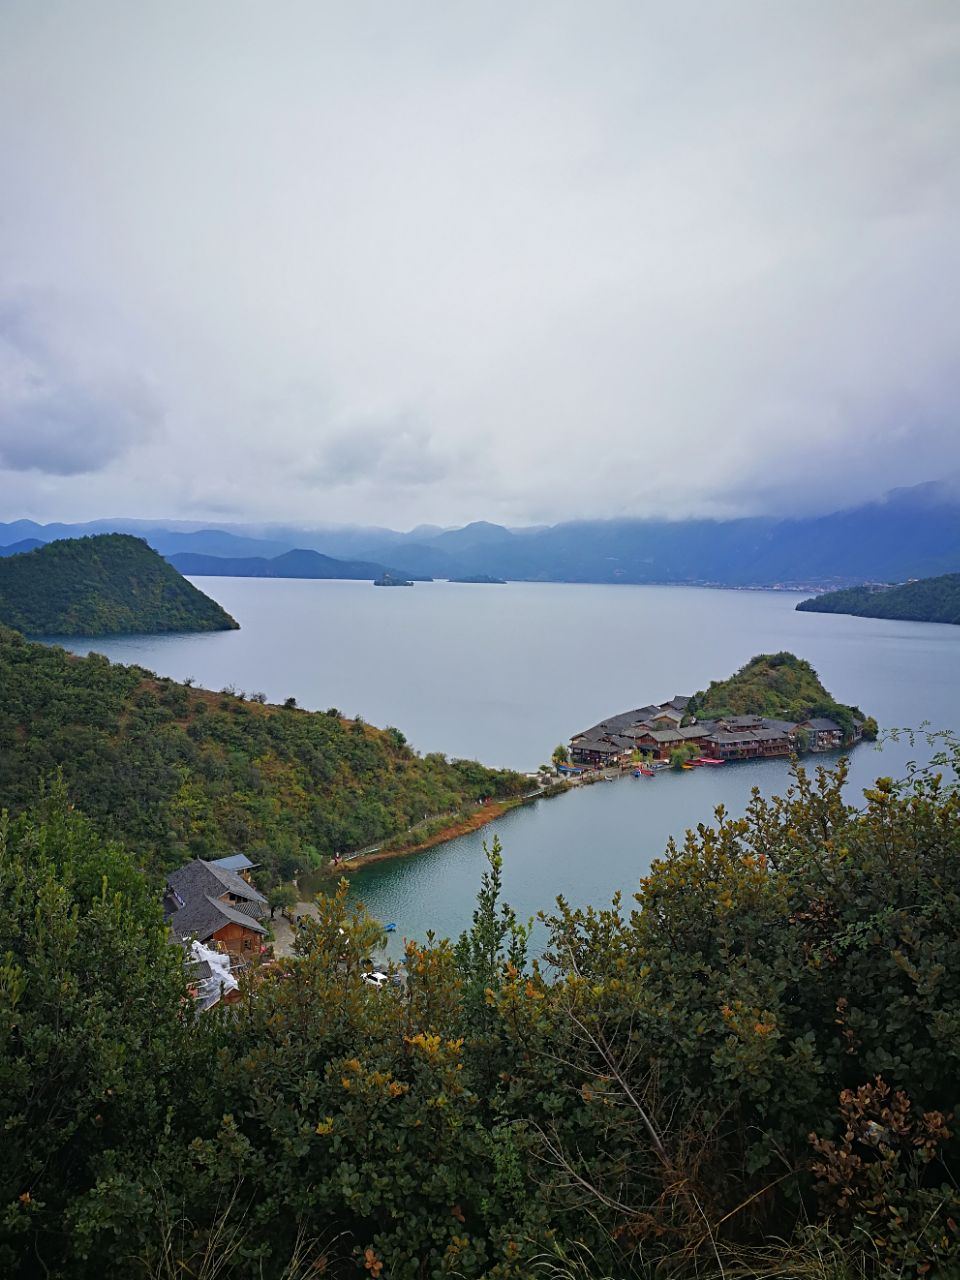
[[392, 263]]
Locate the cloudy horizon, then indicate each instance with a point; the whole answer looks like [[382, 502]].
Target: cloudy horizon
[[438, 262]]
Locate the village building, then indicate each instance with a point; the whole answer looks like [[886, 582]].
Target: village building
[[759, 742], [210, 904], [823, 734], [653, 733], [210, 980]]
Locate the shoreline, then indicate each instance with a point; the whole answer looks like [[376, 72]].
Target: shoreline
[[464, 825]]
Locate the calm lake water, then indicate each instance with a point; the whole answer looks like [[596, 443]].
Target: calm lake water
[[504, 673]]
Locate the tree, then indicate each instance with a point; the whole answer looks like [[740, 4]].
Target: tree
[[679, 756], [282, 897], [560, 755], [93, 1046]]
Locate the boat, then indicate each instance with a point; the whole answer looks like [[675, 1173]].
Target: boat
[[643, 771], [391, 927], [707, 760], [688, 765]]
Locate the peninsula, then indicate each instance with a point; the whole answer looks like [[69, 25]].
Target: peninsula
[[775, 705], [180, 772], [924, 600], [110, 584]]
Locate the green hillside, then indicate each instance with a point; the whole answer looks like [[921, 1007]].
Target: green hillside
[[928, 600], [177, 772], [110, 584], [779, 685]]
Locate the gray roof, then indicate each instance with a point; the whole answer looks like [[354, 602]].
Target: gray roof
[[203, 916], [234, 862], [595, 744], [664, 735], [617, 723], [822, 725], [729, 736], [198, 878], [255, 910], [785, 726]]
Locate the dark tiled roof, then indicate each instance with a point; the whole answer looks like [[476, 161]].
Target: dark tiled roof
[[198, 878], [785, 726], [731, 736], [616, 724], [255, 910], [822, 725], [665, 735], [203, 916], [596, 744]]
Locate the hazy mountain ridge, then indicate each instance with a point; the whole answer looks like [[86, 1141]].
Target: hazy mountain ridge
[[912, 532], [298, 563]]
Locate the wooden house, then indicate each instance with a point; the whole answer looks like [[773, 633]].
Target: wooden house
[[208, 903], [822, 734]]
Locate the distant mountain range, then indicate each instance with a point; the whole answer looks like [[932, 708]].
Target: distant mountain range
[[910, 533], [25, 544], [291, 564]]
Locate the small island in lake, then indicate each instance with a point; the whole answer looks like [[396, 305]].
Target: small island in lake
[[484, 578], [773, 706], [924, 600], [387, 579], [110, 584]]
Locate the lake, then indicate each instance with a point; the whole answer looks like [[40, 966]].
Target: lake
[[504, 673]]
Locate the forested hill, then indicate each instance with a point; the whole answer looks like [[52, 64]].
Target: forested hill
[[928, 600], [177, 772], [779, 685], [105, 585]]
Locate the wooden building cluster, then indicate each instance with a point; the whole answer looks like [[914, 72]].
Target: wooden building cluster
[[215, 905], [654, 732]]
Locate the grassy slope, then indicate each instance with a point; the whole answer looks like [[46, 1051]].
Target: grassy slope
[[929, 600], [108, 584], [177, 772]]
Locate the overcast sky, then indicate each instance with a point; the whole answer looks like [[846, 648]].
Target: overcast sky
[[399, 262]]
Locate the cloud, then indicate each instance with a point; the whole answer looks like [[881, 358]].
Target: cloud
[[489, 261], [63, 413], [399, 453]]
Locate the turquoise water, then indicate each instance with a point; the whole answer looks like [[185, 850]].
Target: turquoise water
[[505, 673]]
